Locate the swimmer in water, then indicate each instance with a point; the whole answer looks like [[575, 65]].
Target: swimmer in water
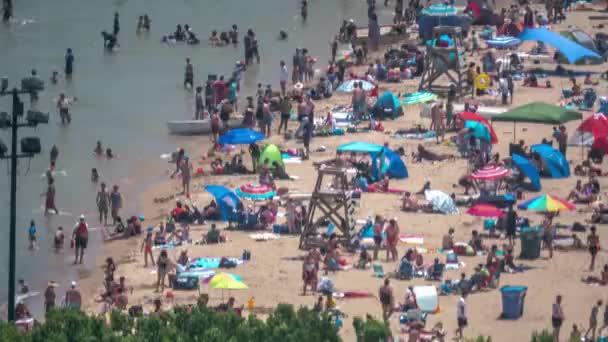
[[59, 238], [94, 175], [140, 24], [109, 153], [54, 154], [283, 35], [234, 35], [304, 10], [224, 38], [98, 149], [109, 40], [214, 39], [147, 22], [55, 77]]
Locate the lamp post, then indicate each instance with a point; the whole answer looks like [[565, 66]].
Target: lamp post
[[32, 120]]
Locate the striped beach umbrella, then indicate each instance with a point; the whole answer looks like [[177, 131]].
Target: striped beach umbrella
[[440, 10], [418, 97], [254, 191], [546, 203], [503, 42], [349, 86], [485, 210], [490, 173]]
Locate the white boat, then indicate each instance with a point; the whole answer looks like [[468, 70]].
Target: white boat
[[194, 127]]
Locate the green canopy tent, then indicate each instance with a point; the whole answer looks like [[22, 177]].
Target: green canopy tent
[[538, 112]]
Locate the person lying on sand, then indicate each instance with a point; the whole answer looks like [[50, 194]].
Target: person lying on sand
[[601, 280], [586, 168], [582, 193], [425, 154], [411, 203]]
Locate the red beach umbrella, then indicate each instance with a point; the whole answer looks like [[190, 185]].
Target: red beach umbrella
[[601, 143], [597, 124], [490, 172]]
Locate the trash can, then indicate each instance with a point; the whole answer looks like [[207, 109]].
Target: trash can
[[531, 238], [513, 301]]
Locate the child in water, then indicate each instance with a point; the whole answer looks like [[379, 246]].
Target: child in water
[[32, 235], [59, 238], [109, 153], [94, 175]]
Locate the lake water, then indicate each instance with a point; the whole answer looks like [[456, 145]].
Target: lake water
[[125, 98]]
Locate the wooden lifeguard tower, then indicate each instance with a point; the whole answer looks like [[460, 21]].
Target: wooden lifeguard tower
[[331, 204], [445, 60]]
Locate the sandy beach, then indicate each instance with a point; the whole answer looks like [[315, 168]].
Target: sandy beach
[[274, 272]]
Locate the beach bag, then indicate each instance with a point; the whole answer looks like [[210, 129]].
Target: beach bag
[[246, 255], [226, 263], [185, 283]]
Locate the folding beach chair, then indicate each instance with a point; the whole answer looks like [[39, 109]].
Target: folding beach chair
[[406, 270], [378, 270]]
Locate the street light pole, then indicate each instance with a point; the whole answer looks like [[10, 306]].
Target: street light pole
[[13, 222]]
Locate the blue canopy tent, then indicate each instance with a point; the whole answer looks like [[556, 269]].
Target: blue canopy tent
[[384, 160], [528, 169], [555, 162], [387, 106], [570, 49], [225, 198]]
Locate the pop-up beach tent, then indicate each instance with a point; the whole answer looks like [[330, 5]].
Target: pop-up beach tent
[[388, 106], [384, 160], [528, 169], [554, 160], [271, 153], [225, 198], [571, 50]]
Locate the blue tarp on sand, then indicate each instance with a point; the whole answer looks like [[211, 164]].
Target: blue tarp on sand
[[570, 49], [554, 160], [225, 198]]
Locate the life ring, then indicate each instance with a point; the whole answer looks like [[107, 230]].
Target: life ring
[[482, 81]]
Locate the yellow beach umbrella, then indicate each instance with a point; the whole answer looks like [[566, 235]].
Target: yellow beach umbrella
[[227, 281]]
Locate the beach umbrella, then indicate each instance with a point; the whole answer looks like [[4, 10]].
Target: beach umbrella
[[471, 116], [255, 191], [546, 203], [527, 168], [436, 10], [479, 130], [490, 173], [418, 97], [503, 42], [348, 86], [597, 125], [241, 136], [227, 281], [441, 201], [485, 210], [600, 143]]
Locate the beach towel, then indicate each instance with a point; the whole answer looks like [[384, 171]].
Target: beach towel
[[352, 294], [209, 263], [264, 236], [378, 270], [412, 239]]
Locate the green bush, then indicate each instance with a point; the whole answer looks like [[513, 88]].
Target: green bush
[[544, 336], [196, 323], [371, 330], [479, 338]]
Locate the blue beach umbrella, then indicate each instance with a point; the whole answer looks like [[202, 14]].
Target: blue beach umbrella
[[440, 10], [418, 97], [348, 86], [241, 136], [528, 169]]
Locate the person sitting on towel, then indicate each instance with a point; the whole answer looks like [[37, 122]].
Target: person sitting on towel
[[279, 171], [602, 279], [476, 242], [419, 266]]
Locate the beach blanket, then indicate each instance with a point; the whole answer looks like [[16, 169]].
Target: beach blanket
[[264, 236], [352, 294], [200, 274], [209, 263], [412, 239], [430, 135], [454, 265]]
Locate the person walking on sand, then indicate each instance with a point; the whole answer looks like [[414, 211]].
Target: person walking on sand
[[548, 233], [162, 268], [103, 203], [146, 247], [593, 321], [593, 242], [387, 299], [309, 274], [186, 172], [115, 203], [392, 237], [462, 315], [557, 317], [605, 325], [80, 238], [378, 229]]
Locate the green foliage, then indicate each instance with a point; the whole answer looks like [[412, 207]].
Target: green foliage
[[183, 324], [479, 338], [371, 330], [543, 336]]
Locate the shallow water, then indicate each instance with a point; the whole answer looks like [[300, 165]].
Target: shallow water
[[125, 98]]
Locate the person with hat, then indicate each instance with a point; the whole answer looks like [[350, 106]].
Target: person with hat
[[80, 237], [49, 296], [73, 299]]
